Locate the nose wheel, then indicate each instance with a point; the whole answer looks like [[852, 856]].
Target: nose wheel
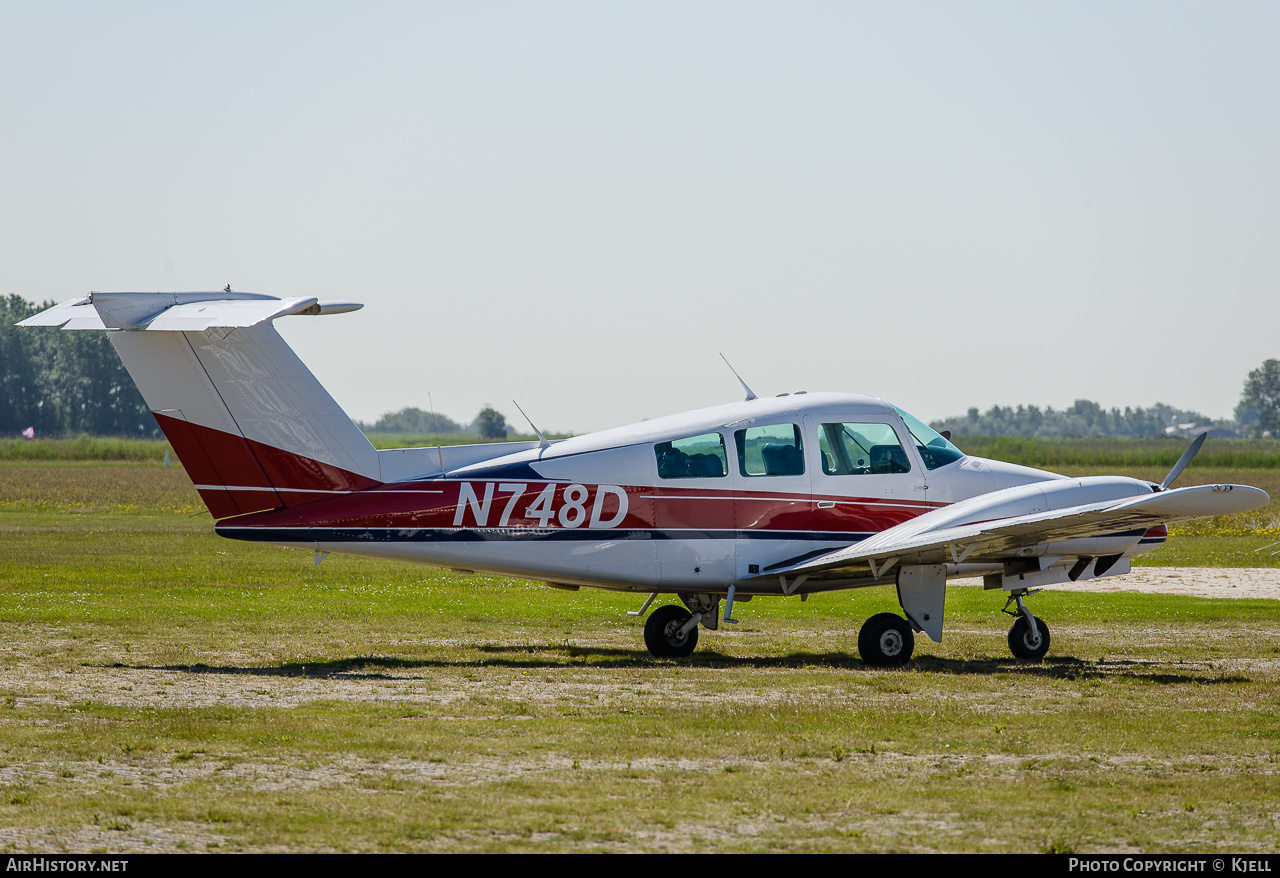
[[1029, 636]]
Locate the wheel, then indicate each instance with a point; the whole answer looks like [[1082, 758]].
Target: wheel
[[886, 640], [1020, 639], [662, 633]]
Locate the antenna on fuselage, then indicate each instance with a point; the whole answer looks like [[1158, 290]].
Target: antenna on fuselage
[[751, 394], [435, 428], [542, 440]]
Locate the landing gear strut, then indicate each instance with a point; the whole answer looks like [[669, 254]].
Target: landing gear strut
[[671, 632], [1029, 636], [886, 640]]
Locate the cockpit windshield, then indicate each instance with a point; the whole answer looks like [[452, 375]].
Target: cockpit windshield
[[934, 450]]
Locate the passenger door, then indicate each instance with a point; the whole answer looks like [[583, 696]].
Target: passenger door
[[773, 494], [866, 479], [693, 513]]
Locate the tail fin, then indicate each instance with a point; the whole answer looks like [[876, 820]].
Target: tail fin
[[251, 424]]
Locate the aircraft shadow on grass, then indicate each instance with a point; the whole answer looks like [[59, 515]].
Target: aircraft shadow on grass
[[605, 658]]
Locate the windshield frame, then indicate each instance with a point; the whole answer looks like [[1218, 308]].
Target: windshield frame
[[935, 450]]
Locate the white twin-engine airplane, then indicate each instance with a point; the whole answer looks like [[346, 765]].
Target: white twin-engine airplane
[[801, 493]]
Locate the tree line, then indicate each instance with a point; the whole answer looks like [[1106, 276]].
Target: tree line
[[1082, 418], [65, 383], [1257, 416]]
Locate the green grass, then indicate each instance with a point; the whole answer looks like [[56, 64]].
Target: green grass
[[83, 448], [1051, 453], [161, 689], [1070, 451], [420, 440], [107, 448]]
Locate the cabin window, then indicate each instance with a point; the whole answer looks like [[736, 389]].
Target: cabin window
[[770, 451], [698, 457], [861, 450]]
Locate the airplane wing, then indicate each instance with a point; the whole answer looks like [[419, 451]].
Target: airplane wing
[[917, 542]]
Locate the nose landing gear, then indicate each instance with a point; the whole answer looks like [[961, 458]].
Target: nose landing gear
[[1029, 636]]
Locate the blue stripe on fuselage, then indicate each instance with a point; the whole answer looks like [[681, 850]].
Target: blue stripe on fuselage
[[508, 534]]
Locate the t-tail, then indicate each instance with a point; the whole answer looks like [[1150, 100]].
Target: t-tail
[[251, 424]]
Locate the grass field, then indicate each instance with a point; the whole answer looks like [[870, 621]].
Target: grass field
[[161, 689], [1056, 452], [85, 448]]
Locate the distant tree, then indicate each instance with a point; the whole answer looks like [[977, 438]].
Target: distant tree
[[1259, 408], [490, 424], [413, 420], [20, 391]]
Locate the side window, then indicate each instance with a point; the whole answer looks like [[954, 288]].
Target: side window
[[770, 451], [697, 457], [861, 449]]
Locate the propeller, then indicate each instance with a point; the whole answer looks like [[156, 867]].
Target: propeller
[[1183, 461]]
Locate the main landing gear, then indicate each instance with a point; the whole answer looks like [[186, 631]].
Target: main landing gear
[[671, 632], [886, 640]]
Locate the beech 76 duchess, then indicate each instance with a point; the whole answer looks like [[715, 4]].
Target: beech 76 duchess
[[786, 496]]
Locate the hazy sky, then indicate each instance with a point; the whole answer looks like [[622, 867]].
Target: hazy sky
[[580, 205]]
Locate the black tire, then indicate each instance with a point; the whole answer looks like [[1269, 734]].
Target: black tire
[[661, 633], [1020, 639], [886, 640]]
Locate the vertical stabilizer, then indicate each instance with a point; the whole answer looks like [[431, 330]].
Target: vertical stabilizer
[[251, 424]]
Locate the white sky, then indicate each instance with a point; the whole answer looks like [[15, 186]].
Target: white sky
[[579, 205]]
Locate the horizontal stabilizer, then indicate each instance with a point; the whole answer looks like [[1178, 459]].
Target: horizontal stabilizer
[[71, 314], [179, 312]]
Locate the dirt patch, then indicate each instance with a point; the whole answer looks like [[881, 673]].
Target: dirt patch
[[1198, 582]]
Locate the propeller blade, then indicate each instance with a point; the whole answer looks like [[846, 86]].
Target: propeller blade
[[1183, 461]]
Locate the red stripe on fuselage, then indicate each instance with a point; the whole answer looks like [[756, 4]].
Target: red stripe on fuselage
[[217, 458], [435, 503], [287, 470]]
